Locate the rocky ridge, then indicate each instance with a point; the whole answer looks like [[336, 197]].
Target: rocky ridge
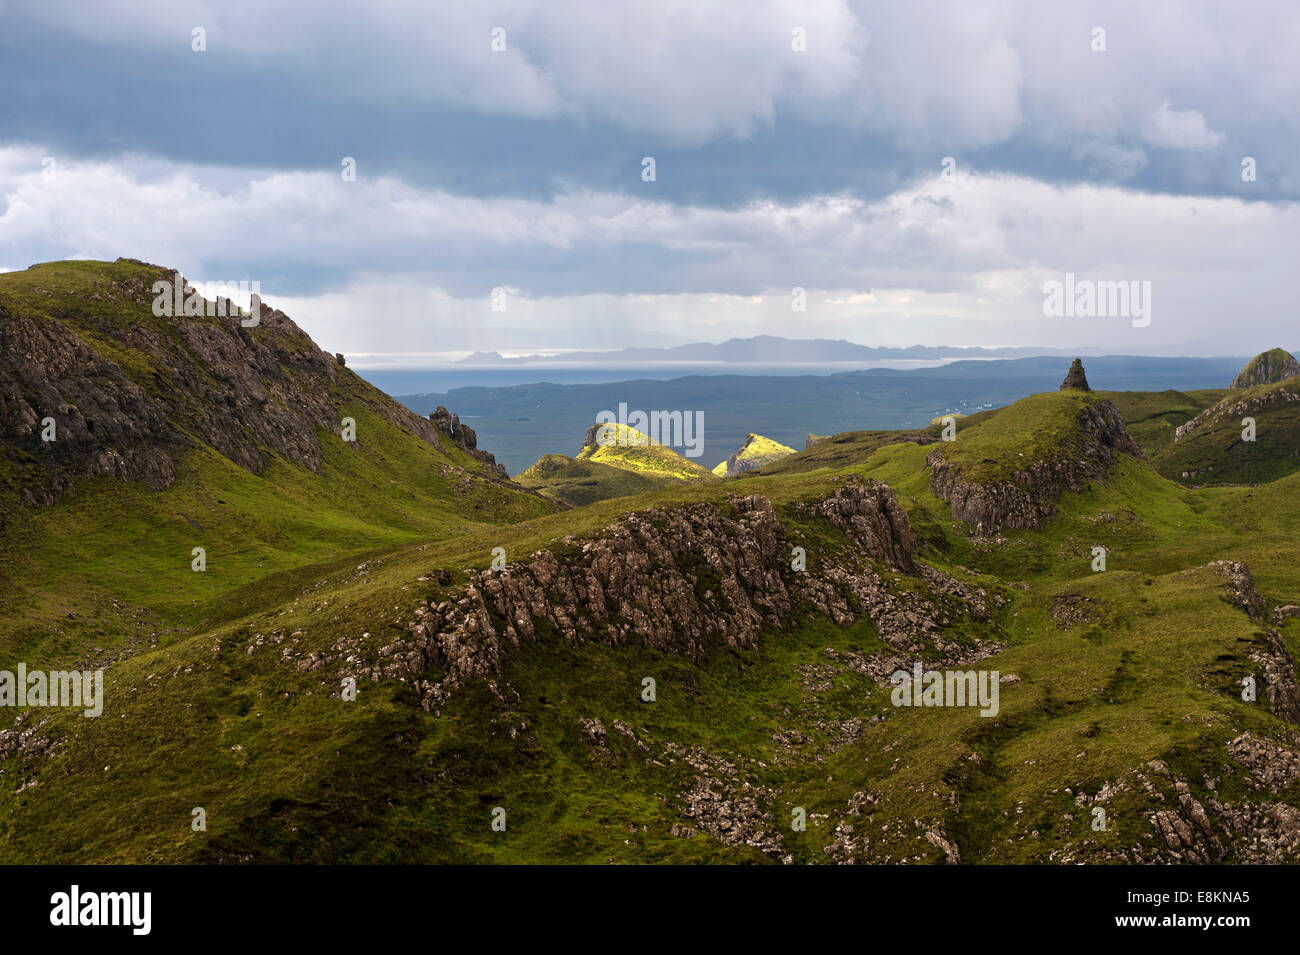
[[1028, 499], [1235, 408], [465, 438], [684, 580], [129, 397], [1267, 368]]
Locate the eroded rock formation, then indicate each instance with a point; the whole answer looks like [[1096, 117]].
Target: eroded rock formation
[[684, 580], [161, 386], [1029, 498], [1075, 378]]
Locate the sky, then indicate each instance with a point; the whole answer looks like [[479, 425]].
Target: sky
[[416, 177]]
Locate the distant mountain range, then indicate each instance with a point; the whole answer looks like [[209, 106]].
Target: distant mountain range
[[768, 348], [521, 423]]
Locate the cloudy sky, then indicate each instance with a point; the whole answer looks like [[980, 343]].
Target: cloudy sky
[[795, 144]]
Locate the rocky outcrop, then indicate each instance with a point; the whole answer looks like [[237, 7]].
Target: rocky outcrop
[[601, 434], [1186, 828], [464, 437], [1276, 668], [1028, 500], [1234, 408], [1241, 583], [1284, 613], [102, 422], [1075, 378], [1267, 368], [1206, 827], [752, 455], [872, 518], [681, 580], [130, 392], [1272, 764]]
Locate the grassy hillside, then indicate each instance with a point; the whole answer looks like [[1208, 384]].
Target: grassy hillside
[[287, 771], [1215, 451], [106, 568], [1037, 428], [225, 690], [756, 452], [576, 482], [1153, 416]]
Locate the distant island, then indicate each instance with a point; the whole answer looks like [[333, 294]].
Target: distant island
[[767, 348]]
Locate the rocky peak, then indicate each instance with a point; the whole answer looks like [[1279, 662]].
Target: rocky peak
[[130, 391], [1267, 368], [1075, 378], [752, 455], [464, 437], [613, 433], [684, 579], [1028, 498]]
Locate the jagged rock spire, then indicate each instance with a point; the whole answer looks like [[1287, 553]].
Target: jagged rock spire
[[1075, 378]]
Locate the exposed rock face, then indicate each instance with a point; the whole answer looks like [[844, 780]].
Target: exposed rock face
[[814, 439], [1234, 408], [1029, 498], [103, 422], [682, 580], [873, 519], [1208, 828], [752, 455], [1075, 378], [464, 437], [245, 392], [593, 436], [1277, 673], [1267, 368]]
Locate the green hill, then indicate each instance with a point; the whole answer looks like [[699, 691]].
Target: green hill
[[177, 433], [627, 449], [768, 612], [577, 482], [615, 461], [1267, 368], [1214, 447], [1152, 417], [756, 452]]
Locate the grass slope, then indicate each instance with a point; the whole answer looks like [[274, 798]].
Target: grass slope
[[753, 454], [1146, 666], [107, 569], [577, 482], [1215, 451], [1153, 416]]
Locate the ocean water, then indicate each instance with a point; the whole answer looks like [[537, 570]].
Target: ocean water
[[440, 379], [524, 411]]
